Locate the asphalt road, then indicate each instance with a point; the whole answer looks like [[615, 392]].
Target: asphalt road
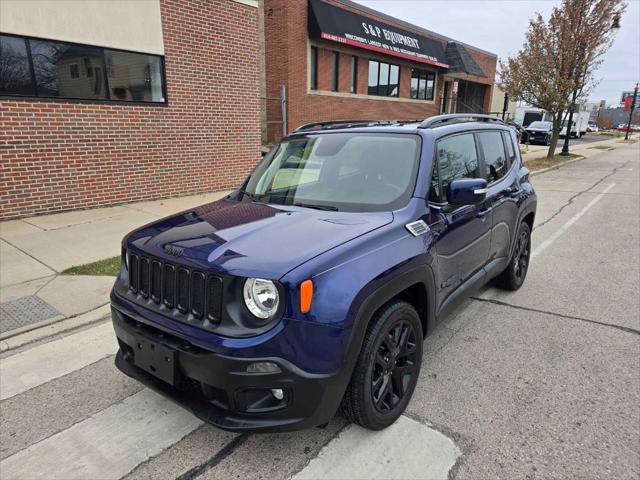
[[541, 383]]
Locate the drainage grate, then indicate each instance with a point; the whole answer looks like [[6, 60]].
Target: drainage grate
[[24, 311]]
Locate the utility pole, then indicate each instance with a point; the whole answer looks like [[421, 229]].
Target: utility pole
[[633, 106], [505, 105]]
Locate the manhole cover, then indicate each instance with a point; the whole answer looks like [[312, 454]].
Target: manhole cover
[[24, 311]]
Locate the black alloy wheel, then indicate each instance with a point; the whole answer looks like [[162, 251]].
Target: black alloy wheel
[[521, 255], [513, 276], [387, 368], [395, 364]]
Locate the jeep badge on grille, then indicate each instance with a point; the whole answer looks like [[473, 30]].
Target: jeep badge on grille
[[173, 250]]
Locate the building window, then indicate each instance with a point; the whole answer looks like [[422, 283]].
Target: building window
[[422, 84], [384, 79], [133, 76], [313, 77], [335, 71], [354, 75], [48, 69], [74, 70], [16, 77]]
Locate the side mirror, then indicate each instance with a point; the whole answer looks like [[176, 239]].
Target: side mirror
[[467, 191]]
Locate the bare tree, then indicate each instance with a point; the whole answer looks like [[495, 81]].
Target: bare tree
[[554, 70]]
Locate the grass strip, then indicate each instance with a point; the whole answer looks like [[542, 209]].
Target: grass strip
[[107, 267], [544, 162]]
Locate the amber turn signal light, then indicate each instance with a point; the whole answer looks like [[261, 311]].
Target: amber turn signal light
[[306, 294]]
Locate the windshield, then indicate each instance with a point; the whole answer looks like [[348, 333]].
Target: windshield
[[541, 125], [338, 171]]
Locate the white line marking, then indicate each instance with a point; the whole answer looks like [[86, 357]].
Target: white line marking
[[41, 364], [561, 231], [407, 449], [107, 445]]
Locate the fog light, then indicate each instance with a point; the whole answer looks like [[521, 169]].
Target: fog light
[[277, 393], [263, 367]]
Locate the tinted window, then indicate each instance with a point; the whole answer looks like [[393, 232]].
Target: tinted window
[[494, 157], [336, 73], [313, 77], [511, 153], [134, 76], [354, 75], [422, 84], [457, 158], [15, 72], [69, 71], [346, 171], [373, 78], [384, 79], [394, 78]]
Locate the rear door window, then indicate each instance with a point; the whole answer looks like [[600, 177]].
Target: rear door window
[[495, 159]]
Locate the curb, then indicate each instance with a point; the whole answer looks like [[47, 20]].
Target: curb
[[59, 326]]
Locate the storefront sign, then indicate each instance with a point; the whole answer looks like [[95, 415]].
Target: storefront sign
[[338, 25]]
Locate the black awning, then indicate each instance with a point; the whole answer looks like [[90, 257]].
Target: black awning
[[332, 23], [460, 60]]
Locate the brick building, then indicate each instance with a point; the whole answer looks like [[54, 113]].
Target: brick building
[[341, 60], [106, 101]]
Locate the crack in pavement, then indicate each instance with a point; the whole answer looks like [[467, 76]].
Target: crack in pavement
[[573, 197], [223, 453], [559, 315]]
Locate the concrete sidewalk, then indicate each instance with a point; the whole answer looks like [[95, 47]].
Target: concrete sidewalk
[[34, 251], [531, 152]]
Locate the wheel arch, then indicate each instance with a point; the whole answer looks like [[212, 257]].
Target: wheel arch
[[415, 286]]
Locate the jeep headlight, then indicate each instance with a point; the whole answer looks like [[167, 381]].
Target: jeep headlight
[[261, 297]]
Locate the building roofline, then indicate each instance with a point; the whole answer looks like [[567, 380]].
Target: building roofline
[[430, 33]]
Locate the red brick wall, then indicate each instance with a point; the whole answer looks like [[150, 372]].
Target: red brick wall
[[287, 63], [59, 155]]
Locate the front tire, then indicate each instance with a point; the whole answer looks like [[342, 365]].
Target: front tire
[[387, 369], [513, 276]]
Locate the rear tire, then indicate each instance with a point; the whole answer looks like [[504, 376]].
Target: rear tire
[[387, 369], [513, 276]]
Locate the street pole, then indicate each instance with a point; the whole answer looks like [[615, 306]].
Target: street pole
[[633, 106], [505, 105], [567, 135]]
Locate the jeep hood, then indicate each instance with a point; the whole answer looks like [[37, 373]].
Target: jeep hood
[[251, 239]]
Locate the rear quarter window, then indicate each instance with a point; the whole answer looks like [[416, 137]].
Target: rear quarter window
[[495, 158]]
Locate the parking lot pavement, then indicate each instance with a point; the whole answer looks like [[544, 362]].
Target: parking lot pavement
[[540, 383]]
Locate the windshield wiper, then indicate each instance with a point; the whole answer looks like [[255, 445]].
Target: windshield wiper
[[252, 196], [330, 208]]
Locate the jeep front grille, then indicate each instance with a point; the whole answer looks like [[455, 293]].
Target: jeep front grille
[[191, 292]]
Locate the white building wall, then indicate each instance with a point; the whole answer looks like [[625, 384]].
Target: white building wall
[[129, 25]]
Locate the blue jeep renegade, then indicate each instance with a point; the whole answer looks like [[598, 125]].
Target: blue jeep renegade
[[312, 286]]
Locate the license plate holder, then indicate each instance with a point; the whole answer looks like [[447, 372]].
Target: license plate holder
[[156, 359]]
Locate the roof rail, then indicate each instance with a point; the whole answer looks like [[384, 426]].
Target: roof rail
[[348, 123], [328, 123], [440, 120]]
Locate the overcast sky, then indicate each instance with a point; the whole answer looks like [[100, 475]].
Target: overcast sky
[[499, 27]]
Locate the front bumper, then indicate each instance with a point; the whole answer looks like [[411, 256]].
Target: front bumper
[[219, 390]]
